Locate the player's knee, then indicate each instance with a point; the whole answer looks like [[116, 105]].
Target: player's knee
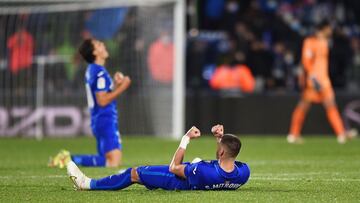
[[134, 175], [304, 105], [113, 162], [113, 158]]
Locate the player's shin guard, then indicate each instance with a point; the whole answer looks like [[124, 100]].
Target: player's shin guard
[[89, 160], [113, 182]]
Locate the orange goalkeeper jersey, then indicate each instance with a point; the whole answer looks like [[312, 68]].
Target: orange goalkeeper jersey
[[315, 59]]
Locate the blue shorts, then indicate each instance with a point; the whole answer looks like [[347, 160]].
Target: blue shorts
[[107, 136], [153, 177]]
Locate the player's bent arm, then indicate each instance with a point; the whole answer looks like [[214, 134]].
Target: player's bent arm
[[104, 98], [176, 167]]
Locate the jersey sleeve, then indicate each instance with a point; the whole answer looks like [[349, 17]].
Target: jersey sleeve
[[102, 82], [193, 173], [188, 169], [244, 171]]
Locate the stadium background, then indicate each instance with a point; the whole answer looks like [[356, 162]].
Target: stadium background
[[44, 92]]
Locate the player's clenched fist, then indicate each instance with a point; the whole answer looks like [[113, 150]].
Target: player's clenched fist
[[126, 81], [218, 131], [194, 132], [120, 79]]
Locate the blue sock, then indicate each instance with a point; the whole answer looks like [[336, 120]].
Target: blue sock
[[113, 182], [89, 160]]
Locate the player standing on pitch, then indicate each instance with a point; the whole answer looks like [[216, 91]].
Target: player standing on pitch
[[225, 173], [101, 92], [316, 85]]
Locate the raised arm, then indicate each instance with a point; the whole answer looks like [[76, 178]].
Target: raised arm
[[176, 167], [218, 132], [121, 83]]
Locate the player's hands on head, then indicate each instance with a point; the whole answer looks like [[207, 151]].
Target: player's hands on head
[[218, 130], [194, 132]]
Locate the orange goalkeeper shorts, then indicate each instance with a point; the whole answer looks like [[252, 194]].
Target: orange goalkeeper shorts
[[310, 94]]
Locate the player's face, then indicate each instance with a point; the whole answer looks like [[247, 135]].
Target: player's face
[[100, 49]]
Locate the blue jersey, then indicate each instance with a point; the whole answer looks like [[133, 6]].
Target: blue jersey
[[210, 176], [98, 79], [199, 176]]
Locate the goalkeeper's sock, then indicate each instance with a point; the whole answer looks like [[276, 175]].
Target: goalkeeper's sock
[[89, 160], [113, 182], [335, 120], [297, 121]]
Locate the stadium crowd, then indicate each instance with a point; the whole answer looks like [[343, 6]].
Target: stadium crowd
[[266, 36]]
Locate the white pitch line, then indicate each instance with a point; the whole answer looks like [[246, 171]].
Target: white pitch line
[[308, 173], [33, 177], [305, 179], [296, 162]]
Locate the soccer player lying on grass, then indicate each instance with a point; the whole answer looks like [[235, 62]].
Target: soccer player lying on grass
[[222, 174]]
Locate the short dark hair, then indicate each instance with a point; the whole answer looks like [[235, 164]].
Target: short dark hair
[[232, 144], [86, 50], [323, 24]]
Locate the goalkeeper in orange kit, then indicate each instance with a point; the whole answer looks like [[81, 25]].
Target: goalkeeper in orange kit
[[316, 85]]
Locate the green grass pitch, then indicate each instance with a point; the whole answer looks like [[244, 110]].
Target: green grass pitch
[[320, 170]]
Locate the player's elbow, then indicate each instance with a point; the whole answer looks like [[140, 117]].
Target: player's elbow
[[178, 170], [172, 168], [102, 102]]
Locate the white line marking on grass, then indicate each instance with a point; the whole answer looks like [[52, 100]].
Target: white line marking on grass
[[297, 162], [305, 179], [310, 173], [32, 177]]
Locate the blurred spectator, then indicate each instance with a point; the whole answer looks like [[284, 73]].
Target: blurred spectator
[[232, 10], [68, 51], [21, 48], [228, 77], [161, 58], [243, 37], [214, 10], [260, 60], [104, 23], [283, 71], [195, 59]]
